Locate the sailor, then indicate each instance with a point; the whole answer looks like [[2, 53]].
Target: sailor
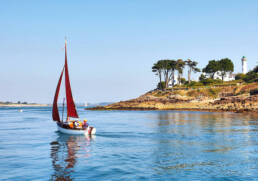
[[85, 124]]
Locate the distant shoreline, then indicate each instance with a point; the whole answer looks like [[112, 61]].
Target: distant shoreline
[[24, 105]]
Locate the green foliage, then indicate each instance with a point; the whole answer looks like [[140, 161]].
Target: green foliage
[[180, 64], [182, 80], [192, 67], [251, 77], [225, 66], [202, 77], [210, 92], [255, 69], [161, 85], [212, 67], [214, 92], [210, 81], [239, 76], [254, 92], [194, 83], [207, 81]]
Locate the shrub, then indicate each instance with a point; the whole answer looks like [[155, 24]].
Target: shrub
[[161, 85], [207, 81], [202, 77], [210, 81], [214, 92], [254, 92], [251, 77], [239, 76], [183, 81], [194, 83]]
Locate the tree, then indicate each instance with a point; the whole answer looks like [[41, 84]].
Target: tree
[[173, 66], [180, 64], [157, 69], [255, 69], [191, 67], [225, 66], [162, 67], [212, 67], [165, 64]]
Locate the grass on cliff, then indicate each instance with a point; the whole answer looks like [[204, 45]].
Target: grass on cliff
[[196, 93], [209, 92]]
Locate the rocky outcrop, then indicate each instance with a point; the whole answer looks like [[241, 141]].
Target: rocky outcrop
[[237, 103], [235, 99]]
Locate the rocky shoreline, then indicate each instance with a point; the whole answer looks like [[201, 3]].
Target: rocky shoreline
[[223, 99]]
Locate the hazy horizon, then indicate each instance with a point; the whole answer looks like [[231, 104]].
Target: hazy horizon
[[112, 45]]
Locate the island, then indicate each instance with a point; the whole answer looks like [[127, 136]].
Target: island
[[217, 89]]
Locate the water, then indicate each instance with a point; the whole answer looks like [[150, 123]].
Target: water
[[130, 145]]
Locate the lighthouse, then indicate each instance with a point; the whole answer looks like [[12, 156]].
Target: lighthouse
[[244, 65]]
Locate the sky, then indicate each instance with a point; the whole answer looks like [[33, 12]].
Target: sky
[[112, 45]]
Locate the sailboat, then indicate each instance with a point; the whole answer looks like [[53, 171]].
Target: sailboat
[[72, 124]]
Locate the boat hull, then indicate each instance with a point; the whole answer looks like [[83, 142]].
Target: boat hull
[[77, 132]]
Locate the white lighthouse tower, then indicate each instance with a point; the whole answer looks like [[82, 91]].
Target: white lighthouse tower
[[244, 65]]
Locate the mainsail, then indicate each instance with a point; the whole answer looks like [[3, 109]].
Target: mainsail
[[71, 109]]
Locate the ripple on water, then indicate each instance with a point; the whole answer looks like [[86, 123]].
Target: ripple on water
[[130, 145]]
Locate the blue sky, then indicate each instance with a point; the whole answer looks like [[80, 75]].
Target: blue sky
[[112, 45]]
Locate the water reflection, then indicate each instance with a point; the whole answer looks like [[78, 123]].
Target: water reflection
[[197, 141], [211, 122], [65, 151]]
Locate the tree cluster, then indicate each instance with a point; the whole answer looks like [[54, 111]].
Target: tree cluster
[[251, 76], [166, 69], [222, 67]]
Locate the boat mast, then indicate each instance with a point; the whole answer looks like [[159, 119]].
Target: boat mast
[[63, 110], [71, 109]]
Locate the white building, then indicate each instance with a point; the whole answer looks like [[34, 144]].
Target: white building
[[244, 65], [170, 83], [228, 77]]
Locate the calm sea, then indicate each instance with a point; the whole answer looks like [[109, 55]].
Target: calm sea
[[130, 145]]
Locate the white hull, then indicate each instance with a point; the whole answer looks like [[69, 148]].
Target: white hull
[[77, 132]]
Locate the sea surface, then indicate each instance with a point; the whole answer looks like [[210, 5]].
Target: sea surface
[[129, 145]]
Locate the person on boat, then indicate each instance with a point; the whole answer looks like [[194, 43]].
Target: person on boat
[[85, 124]]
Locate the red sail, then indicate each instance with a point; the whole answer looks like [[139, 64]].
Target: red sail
[[71, 110], [55, 113]]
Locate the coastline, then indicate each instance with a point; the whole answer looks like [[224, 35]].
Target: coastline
[[224, 99], [24, 105], [172, 109]]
